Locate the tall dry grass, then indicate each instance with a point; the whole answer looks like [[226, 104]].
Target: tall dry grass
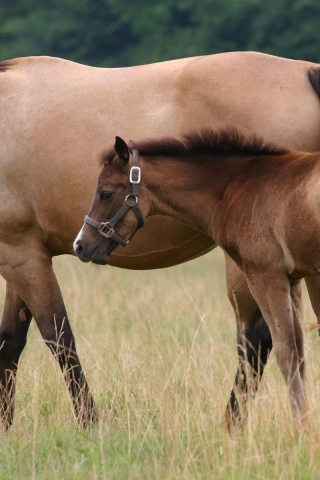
[[159, 352]]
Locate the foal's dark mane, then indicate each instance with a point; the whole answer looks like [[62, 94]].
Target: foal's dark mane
[[223, 141]]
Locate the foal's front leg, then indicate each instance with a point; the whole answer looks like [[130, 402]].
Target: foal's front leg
[[13, 336], [254, 344], [278, 303]]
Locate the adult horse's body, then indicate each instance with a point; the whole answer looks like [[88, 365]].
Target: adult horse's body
[[56, 116], [259, 202]]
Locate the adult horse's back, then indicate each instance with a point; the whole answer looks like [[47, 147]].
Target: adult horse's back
[[57, 116]]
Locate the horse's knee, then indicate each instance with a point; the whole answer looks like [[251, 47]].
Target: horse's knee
[[258, 342], [11, 346], [13, 331], [262, 333], [60, 345]]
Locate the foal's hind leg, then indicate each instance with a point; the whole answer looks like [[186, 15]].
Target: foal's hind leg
[[13, 336], [30, 271], [254, 345], [297, 306], [276, 298]]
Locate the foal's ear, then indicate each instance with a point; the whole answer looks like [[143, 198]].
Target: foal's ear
[[122, 150]]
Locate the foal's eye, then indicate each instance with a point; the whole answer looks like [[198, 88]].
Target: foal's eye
[[106, 195]]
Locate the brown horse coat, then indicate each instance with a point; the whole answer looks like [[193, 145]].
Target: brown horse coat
[[260, 203], [56, 116]]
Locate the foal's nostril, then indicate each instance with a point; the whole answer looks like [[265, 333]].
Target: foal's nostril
[[77, 247]]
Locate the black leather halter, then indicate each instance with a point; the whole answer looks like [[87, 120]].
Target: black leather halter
[[106, 229]]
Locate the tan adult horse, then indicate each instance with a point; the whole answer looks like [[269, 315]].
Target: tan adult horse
[[259, 202], [56, 116]]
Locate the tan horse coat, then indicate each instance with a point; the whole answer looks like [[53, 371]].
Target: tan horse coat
[[56, 117]]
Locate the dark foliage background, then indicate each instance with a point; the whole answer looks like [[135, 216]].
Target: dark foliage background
[[118, 32]]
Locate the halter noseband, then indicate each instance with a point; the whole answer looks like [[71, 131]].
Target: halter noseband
[[106, 229]]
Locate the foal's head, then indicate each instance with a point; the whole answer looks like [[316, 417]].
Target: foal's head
[[117, 211], [115, 215]]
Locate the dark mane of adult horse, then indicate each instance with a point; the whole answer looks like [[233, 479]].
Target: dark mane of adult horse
[[57, 116]]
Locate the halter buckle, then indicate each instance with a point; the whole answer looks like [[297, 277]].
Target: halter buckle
[[110, 231], [135, 175]]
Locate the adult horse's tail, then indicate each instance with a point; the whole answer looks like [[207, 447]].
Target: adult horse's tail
[[314, 78]]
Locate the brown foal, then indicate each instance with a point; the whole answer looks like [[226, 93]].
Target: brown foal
[[258, 201]]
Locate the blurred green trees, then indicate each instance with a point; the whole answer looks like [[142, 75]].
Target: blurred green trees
[[129, 32]]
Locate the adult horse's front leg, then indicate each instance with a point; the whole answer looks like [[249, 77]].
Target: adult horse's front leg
[[30, 272], [254, 345], [13, 336]]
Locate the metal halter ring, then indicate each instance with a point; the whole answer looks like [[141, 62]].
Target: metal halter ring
[[130, 195]]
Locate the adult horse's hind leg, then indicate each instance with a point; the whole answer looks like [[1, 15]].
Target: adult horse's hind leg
[[30, 271], [13, 336], [254, 344]]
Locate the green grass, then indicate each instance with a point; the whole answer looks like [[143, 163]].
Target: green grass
[[159, 353]]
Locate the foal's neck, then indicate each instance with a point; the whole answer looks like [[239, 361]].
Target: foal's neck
[[188, 190], [195, 190]]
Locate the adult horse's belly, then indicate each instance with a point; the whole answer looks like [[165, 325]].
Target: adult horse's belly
[[163, 242]]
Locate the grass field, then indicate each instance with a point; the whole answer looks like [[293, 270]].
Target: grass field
[[159, 352]]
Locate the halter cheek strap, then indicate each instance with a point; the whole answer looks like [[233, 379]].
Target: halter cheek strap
[[106, 229]]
